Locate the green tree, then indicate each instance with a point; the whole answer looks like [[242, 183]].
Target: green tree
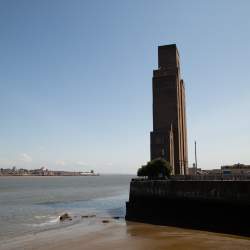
[[155, 169]]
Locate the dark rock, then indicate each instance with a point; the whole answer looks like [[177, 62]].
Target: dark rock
[[105, 221], [64, 217], [88, 216]]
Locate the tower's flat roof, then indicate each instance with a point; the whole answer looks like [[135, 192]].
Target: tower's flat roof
[[169, 46]]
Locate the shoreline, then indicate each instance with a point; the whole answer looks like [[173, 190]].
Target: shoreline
[[120, 234], [83, 175]]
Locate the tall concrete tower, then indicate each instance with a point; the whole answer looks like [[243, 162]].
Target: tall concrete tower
[[169, 135]]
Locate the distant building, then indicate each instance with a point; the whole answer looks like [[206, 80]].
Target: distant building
[[169, 135], [195, 171], [216, 171], [236, 169]]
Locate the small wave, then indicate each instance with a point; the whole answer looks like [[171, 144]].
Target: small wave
[[51, 220], [41, 216], [60, 202], [50, 202]]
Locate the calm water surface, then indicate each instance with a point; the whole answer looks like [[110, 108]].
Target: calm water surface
[[33, 204]]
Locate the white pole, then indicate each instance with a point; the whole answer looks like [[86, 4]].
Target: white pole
[[195, 157]]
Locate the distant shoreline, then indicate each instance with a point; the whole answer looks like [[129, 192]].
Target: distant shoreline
[[43, 172], [46, 175]]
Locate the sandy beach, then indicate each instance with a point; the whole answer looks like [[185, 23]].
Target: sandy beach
[[118, 234]]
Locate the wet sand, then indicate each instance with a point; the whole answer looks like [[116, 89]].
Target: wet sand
[[118, 234]]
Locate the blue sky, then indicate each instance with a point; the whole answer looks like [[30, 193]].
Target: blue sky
[[75, 80]]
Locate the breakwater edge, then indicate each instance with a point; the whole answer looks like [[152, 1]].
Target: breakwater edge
[[211, 205]]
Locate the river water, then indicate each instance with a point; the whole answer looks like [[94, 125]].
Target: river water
[[33, 204]]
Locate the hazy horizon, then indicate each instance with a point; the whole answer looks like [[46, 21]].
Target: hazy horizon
[[76, 81]]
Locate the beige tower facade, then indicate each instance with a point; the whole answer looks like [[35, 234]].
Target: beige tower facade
[[169, 136]]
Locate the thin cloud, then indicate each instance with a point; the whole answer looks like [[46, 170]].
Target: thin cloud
[[60, 163], [109, 164], [25, 157], [80, 163]]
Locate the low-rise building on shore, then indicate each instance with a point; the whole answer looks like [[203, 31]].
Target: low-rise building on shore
[[238, 171], [43, 172]]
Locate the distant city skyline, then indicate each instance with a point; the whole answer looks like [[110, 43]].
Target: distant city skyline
[[76, 77]]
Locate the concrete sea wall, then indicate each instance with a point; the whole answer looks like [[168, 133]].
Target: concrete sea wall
[[220, 206]]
